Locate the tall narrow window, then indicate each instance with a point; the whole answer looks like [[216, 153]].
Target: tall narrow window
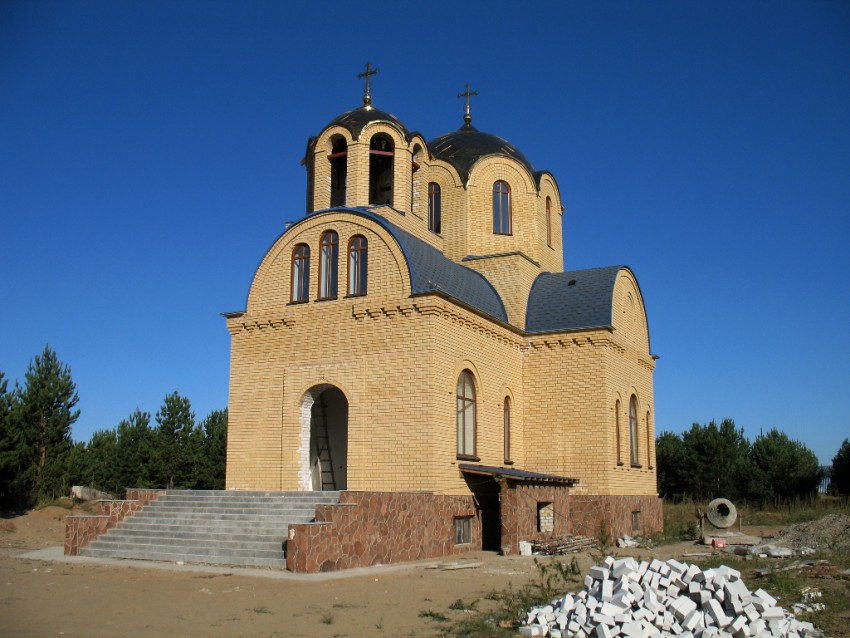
[[501, 208], [633, 431], [506, 422], [381, 153], [357, 265], [328, 265], [465, 414], [300, 273], [434, 208], [619, 436], [549, 222], [648, 442], [339, 171]]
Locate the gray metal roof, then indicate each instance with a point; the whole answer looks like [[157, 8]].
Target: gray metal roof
[[572, 300], [356, 120], [431, 271], [467, 145], [516, 474]]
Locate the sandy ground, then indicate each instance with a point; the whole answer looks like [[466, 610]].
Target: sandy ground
[[51, 595]]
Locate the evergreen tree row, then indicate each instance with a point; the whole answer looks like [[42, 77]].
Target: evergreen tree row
[[39, 461], [710, 461]]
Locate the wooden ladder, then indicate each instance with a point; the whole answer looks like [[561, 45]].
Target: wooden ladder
[[323, 446]]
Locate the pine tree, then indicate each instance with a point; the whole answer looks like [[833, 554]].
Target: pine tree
[[840, 472], [135, 452], [214, 428], [11, 485], [173, 460], [43, 413]]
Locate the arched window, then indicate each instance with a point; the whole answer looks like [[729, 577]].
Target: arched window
[[617, 426], [501, 208], [506, 422], [358, 265], [339, 171], [465, 414], [648, 442], [300, 273], [633, 431], [549, 222], [328, 265], [381, 152], [434, 208]]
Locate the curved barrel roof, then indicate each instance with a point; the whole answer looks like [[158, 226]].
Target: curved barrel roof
[[572, 300], [431, 271]]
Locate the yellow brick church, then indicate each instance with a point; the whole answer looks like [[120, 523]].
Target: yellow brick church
[[415, 340]]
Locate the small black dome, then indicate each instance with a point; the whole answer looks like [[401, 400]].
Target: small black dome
[[356, 120], [467, 145]]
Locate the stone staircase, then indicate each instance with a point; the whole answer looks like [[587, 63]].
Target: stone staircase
[[214, 527]]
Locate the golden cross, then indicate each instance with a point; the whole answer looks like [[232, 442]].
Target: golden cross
[[367, 95]]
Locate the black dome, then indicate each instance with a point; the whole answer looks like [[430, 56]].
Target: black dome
[[467, 145], [356, 120]]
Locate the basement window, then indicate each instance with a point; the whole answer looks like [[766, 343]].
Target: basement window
[[546, 517], [463, 530]]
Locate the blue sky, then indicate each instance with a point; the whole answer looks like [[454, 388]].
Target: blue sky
[[149, 155]]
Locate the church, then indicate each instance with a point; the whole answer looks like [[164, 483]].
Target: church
[[414, 343]]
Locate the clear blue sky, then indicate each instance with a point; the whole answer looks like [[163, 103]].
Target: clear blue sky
[[149, 155]]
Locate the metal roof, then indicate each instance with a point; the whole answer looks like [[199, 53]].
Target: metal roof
[[516, 474], [431, 271], [572, 300], [356, 120], [467, 145]]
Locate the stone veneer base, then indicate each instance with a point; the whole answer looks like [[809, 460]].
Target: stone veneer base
[[368, 528], [82, 530]]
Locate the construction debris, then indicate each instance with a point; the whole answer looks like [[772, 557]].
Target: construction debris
[[562, 545], [633, 599], [796, 565]]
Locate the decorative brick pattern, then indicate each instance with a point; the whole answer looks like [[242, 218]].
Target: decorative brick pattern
[[367, 528]]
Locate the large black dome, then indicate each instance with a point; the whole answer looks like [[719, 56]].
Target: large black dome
[[464, 147], [356, 120]]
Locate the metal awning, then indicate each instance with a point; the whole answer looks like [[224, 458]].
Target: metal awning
[[515, 474]]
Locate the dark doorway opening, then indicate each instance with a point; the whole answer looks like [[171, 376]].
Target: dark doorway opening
[[487, 495]]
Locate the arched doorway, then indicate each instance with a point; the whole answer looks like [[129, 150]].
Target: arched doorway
[[324, 449]]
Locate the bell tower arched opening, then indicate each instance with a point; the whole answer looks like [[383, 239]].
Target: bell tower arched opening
[[381, 166], [339, 170]]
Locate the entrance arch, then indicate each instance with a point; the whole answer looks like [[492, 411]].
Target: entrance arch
[[324, 440]]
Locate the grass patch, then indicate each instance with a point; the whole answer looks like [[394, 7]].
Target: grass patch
[[680, 520], [327, 618], [261, 610], [502, 609], [7, 527], [459, 605], [434, 615]]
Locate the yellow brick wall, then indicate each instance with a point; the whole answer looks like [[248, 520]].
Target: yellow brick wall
[[397, 360]]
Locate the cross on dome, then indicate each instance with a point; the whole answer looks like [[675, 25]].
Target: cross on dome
[[367, 94], [467, 118]]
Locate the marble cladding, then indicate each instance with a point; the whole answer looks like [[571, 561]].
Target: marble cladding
[[368, 528]]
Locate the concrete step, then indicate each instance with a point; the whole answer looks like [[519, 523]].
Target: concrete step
[[212, 526], [219, 527], [175, 557]]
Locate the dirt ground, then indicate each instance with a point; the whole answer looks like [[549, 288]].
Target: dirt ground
[[79, 597]]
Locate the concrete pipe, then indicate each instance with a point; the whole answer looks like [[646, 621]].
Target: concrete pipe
[[721, 513]]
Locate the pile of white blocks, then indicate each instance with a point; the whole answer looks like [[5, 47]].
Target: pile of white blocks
[[632, 599]]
